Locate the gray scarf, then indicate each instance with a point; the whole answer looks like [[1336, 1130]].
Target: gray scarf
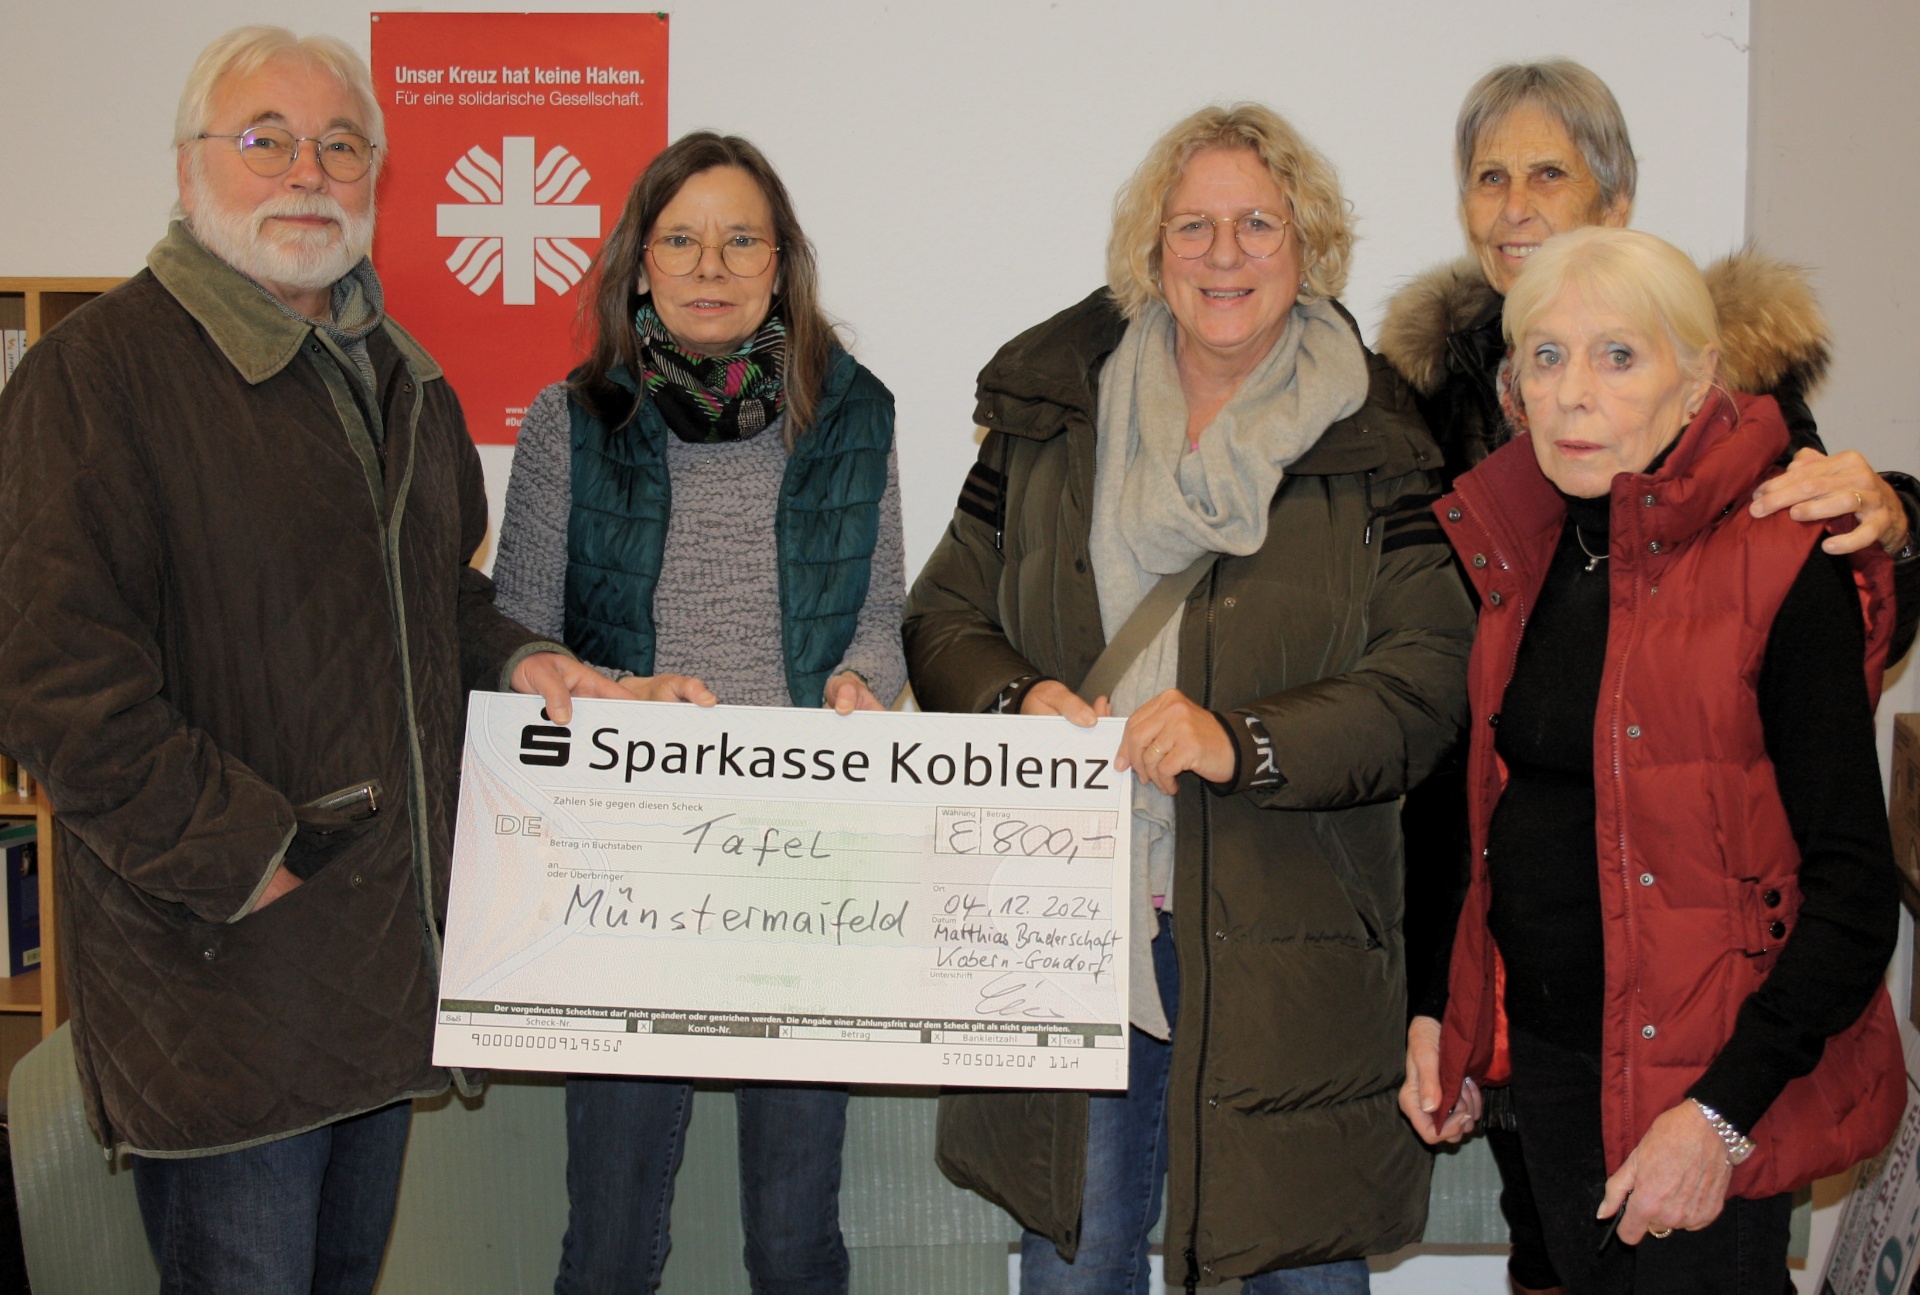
[[1157, 506], [359, 304]]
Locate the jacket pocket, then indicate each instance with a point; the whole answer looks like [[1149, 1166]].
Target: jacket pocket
[[1352, 883], [327, 825]]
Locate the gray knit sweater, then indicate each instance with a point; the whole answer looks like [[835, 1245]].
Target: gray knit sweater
[[716, 609]]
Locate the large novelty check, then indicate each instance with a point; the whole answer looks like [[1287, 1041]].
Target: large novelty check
[[753, 893]]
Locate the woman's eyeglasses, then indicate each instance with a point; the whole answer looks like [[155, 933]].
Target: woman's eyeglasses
[[742, 254]]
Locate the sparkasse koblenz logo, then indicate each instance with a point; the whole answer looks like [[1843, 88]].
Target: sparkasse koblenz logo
[[546, 744], [519, 220]]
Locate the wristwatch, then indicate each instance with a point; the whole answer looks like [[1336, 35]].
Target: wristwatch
[[1739, 1145]]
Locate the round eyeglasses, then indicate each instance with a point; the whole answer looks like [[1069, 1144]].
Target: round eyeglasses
[[270, 151], [742, 254], [1189, 235]]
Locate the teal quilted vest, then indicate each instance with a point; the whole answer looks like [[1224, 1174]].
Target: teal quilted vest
[[826, 525]]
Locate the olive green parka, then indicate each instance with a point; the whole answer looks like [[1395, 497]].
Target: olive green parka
[[1337, 654]]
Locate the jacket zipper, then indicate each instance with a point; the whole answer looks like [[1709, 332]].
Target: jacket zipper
[[1616, 702], [1206, 964], [1000, 510], [1513, 663]]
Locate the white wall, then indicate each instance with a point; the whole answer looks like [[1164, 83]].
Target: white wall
[[956, 162], [1835, 117], [1835, 111]]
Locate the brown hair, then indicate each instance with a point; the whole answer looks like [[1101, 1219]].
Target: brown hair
[[609, 301]]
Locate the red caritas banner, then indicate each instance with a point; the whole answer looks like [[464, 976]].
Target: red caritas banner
[[512, 141]]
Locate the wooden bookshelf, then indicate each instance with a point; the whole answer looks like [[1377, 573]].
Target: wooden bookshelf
[[37, 304], [26, 994], [33, 1005]]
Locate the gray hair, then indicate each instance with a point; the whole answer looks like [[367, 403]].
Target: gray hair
[[245, 50], [1570, 92]]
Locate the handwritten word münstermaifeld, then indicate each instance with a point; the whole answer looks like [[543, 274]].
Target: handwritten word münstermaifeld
[[598, 909]]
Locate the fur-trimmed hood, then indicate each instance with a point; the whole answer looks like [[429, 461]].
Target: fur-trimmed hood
[[1771, 327]]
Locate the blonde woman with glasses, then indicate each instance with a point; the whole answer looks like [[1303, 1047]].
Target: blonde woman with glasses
[[1212, 414]]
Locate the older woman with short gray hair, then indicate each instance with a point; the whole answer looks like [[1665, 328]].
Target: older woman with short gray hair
[[1542, 148]]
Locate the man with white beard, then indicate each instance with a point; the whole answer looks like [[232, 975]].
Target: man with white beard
[[237, 626]]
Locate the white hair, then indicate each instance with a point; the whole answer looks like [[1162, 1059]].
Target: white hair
[[245, 50]]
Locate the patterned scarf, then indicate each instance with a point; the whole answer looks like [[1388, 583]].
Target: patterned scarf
[[707, 398]]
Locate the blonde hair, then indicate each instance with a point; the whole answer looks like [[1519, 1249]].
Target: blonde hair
[[245, 50], [1647, 281], [1321, 217]]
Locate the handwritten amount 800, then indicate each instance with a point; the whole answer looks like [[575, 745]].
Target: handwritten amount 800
[[1012, 836]]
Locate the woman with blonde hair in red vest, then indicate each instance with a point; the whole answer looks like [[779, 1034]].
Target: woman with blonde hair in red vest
[[1683, 894]]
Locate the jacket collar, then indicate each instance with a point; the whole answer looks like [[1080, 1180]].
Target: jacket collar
[[1771, 327], [1422, 316], [257, 337], [1730, 448], [1727, 449], [1038, 381]]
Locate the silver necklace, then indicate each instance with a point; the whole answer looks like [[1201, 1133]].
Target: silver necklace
[[1593, 559]]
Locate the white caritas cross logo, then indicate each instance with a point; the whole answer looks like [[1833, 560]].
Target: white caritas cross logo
[[518, 220]]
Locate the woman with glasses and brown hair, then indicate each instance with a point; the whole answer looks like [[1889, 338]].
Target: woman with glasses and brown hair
[[709, 510], [1212, 414]]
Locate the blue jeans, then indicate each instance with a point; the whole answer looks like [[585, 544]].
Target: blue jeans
[[625, 1138], [1126, 1170], [306, 1215]]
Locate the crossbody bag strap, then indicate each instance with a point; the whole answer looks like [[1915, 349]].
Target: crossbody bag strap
[[1161, 602]]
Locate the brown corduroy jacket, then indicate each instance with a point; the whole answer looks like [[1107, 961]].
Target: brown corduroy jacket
[[233, 580]]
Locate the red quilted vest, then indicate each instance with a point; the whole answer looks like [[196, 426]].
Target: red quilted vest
[[1698, 869]]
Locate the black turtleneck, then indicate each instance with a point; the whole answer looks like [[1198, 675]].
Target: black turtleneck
[[1543, 861], [1541, 856]]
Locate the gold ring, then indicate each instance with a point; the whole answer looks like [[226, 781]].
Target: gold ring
[[1659, 1234], [1157, 749], [1859, 501]]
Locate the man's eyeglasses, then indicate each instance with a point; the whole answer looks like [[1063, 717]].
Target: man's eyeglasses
[[742, 254], [270, 151]]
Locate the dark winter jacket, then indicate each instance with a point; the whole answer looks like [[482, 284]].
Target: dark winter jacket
[[1337, 652], [1699, 870], [225, 592]]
